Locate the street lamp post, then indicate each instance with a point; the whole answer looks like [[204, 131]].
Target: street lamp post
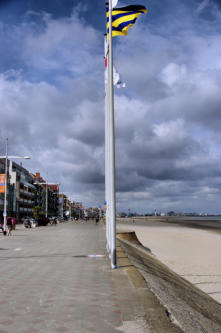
[[6, 181], [46, 198]]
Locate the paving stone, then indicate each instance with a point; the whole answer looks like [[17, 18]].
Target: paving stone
[[48, 289]]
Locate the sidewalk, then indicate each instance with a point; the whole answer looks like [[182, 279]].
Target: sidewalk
[[49, 285]]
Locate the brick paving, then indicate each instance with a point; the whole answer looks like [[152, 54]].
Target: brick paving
[[48, 285]]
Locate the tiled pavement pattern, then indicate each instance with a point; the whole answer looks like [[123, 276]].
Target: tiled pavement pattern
[[47, 285]]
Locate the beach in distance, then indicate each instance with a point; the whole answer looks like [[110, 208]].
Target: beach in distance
[[191, 247]]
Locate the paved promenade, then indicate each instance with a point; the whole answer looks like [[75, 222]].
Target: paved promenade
[[48, 284]]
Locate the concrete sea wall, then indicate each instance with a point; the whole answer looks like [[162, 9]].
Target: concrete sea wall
[[187, 306]]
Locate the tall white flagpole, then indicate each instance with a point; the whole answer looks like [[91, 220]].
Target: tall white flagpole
[[112, 203], [106, 144]]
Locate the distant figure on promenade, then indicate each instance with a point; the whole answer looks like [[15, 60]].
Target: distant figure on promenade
[[27, 223], [97, 220], [9, 226], [14, 222], [1, 224]]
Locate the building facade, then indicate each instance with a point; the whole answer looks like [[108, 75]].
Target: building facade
[[64, 205], [26, 190], [21, 192], [47, 195]]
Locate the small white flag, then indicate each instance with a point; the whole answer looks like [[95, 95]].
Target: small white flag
[[114, 3], [117, 81]]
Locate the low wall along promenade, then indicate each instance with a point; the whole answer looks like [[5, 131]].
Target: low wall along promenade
[[186, 305]]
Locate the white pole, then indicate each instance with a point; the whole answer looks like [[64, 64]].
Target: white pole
[[106, 140], [46, 204], [112, 146], [107, 151], [109, 165], [6, 182]]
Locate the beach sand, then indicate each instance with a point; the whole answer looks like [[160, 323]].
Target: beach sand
[[190, 252]]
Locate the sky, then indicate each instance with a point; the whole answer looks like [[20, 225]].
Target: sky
[[167, 118]]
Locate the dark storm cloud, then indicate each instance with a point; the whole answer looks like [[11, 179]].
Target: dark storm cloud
[[5, 2], [89, 176], [128, 180], [169, 171], [218, 2]]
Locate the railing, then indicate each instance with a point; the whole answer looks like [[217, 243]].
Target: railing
[[30, 194], [25, 201]]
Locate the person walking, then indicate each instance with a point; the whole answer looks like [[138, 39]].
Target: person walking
[[1, 225], [14, 222], [9, 226]]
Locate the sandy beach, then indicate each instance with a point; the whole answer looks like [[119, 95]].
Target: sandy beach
[[193, 253]]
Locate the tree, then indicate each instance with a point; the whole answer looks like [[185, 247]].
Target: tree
[[38, 213]]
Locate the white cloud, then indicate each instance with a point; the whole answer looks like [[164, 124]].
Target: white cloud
[[65, 44], [173, 73]]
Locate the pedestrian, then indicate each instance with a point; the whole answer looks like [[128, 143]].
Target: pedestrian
[[14, 222], [1, 227], [9, 226], [27, 223], [97, 220]]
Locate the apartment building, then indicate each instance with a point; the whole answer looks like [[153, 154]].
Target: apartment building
[[47, 195], [21, 191], [64, 205]]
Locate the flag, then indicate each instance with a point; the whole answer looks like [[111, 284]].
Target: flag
[[114, 3], [2, 183], [117, 81], [105, 50], [123, 18]]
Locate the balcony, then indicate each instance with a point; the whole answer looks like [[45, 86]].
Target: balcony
[[26, 202], [26, 193]]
